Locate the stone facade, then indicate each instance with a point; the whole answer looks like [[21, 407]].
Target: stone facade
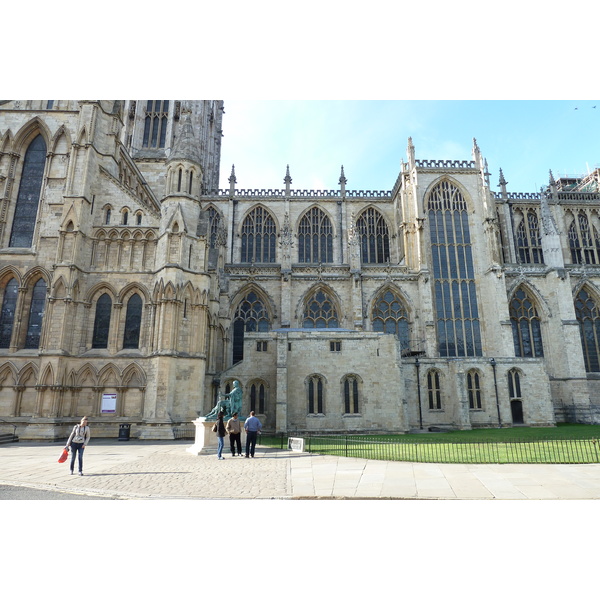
[[127, 273]]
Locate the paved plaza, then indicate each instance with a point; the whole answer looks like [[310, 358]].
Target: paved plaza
[[165, 470]]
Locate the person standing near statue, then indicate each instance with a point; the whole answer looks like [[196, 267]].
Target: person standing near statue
[[253, 426], [219, 429], [234, 430]]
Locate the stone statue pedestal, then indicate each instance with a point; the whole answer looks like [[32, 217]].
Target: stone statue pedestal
[[206, 439]]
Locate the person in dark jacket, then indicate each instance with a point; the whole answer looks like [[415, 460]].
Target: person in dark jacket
[[221, 433]]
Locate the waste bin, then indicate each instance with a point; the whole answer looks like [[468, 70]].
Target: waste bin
[[124, 431]]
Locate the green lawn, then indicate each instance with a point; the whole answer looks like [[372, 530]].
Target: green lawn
[[562, 444]]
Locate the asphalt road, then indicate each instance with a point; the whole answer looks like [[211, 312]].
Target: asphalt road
[[13, 492]]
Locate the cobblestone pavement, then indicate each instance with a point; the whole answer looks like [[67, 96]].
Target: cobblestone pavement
[[165, 470]]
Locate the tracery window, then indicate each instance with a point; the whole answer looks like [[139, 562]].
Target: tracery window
[[316, 395], [526, 325], [586, 311], [458, 327], [7, 314], [374, 237], [214, 221], [258, 237], [434, 392], [320, 312], [315, 237], [351, 395], [529, 241], [390, 316], [474, 389], [133, 322], [102, 322], [258, 397], [28, 197], [155, 123], [36, 315], [583, 241], [251, 315], [514, 385]]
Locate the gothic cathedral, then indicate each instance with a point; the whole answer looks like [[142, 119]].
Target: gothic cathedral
[[134, 289]]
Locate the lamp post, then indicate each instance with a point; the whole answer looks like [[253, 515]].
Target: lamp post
[[493, 363], [417, 364]]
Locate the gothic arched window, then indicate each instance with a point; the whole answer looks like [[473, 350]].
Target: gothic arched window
[[583, 241], [315, 237], [28, 198], [351, 395], [434, 391], [316, 395], [155, 124], [7, 314], [390, 316], [586, 311], [474, 389], [102, 322], [250, 315], [526, 326], [36, 315], [320, 312], [133, 322], [529, 241], [258, 397], [214, 221], [457, 314], [258, 237], [374, 237]]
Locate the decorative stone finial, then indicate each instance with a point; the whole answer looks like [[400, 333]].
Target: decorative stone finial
[[232, 178], [287, 179], [342, 179], [502, 181]]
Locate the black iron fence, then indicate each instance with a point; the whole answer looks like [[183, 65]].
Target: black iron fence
[[540, 451]]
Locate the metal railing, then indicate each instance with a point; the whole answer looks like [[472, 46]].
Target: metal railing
[[539, 451]]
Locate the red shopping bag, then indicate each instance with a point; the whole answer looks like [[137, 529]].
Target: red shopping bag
[[64, 456]]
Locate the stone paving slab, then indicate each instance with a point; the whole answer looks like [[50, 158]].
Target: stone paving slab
[[165, 470]]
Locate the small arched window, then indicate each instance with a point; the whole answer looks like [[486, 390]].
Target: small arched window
[[390, 316], [258, 397], [125, 216], [351, 398], [474, 390], [316, 395], [102, 322], [433, 390], [107, 216]]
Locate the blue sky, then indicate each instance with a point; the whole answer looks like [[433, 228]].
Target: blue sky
[[526, 138]]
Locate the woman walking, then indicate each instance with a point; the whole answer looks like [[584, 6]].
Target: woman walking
[[221, 433], [78, 440]]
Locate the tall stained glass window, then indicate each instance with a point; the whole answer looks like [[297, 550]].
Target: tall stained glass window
[[133, 322], [526, 325], [588, 315], [390, 316], [251, 315], [315, 237], [28, 198], [36, 315], [7, 314], [155, 123], [529, 241], [102, 322], [374, 237], [458, 326], [258, 237]]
